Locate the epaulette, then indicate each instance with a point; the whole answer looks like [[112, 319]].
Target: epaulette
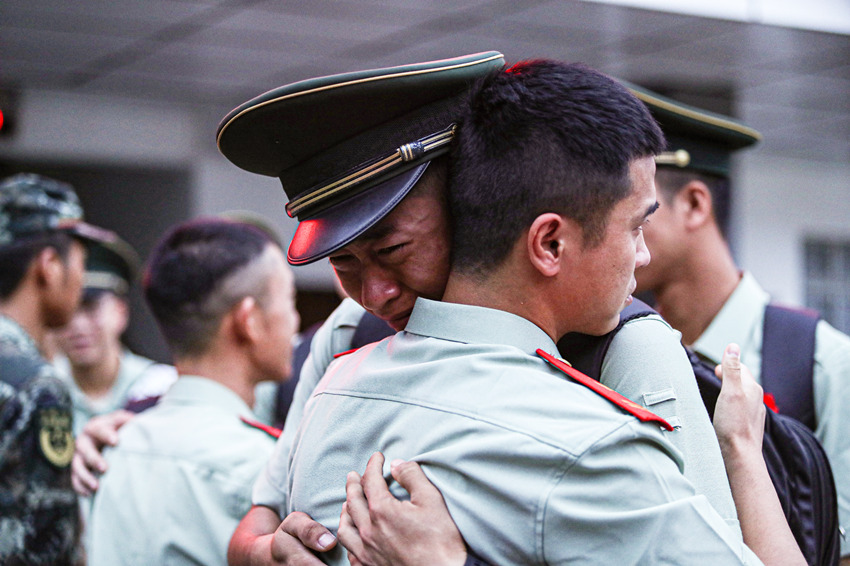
[[345, 353], [270, 430], [624, 403]]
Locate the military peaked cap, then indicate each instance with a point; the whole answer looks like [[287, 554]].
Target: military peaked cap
[[347, 148], [696, 139], [111, 265]]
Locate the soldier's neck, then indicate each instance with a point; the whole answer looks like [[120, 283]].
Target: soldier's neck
[[510, 292], [25, 312], [692, 301]]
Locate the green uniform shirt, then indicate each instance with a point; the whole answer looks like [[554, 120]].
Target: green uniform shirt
[[534, 468], [179, 480], [645, 363], [741, 320]]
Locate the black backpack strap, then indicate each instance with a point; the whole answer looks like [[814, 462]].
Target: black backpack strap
[[788, 360], [586, 353], [370, 329], [286, 389]]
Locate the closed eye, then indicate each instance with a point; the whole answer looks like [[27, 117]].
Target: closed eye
[[391, 249]]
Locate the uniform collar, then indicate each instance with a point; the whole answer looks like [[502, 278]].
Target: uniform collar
[[477, 325], [196, 390], [739, 321]]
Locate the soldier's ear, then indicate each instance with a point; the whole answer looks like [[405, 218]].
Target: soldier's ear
[[123, 309], [695, 199], [245, 321], [48, 268], [548, 241]]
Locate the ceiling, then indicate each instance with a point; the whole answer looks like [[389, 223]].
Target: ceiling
[[792, 85]]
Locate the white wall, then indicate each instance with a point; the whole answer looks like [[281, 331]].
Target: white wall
[[781, 201], [822, 15], [62, 127], [68, 127]]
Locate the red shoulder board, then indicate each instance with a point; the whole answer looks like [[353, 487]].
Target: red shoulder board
[[627, 404], [339, 355], [270, 430]]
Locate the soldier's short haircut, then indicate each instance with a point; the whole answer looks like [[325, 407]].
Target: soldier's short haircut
[[542, 136], [15, 258], [197, 273]]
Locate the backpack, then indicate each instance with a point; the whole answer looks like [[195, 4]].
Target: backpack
[[790, 379], [796, 462]]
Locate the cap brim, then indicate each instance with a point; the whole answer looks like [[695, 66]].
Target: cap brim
[[89, 233], [337, 226]]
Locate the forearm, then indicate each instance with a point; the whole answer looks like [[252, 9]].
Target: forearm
[[739, 418], [251, 543], [763, 522]]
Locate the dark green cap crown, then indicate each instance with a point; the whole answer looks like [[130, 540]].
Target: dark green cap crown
[[696, 139]]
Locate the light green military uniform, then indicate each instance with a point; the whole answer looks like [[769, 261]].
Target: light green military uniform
[[179, 480], [138, 377], [741, 320], [534, 468], [645, 363], [334, 336]]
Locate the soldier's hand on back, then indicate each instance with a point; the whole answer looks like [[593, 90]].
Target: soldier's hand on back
[[88, 462]]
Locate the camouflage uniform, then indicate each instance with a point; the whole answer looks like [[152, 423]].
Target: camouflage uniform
[[39, 515], [39, 518]]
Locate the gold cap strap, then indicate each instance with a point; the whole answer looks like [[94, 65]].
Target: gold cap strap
[[360, 175]]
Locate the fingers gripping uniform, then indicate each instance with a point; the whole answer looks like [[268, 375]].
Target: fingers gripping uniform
[[38, 509]]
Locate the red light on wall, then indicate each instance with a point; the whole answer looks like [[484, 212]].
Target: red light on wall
[[8, 106]]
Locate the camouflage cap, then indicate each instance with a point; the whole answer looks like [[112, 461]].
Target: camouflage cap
[[31, 205]]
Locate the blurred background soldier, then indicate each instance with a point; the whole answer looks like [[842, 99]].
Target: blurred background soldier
[[180, 478], [102, 373], [42, 255], [800, 360]]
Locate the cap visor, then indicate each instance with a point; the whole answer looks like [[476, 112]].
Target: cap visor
[[90, 233], [337, 226]]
